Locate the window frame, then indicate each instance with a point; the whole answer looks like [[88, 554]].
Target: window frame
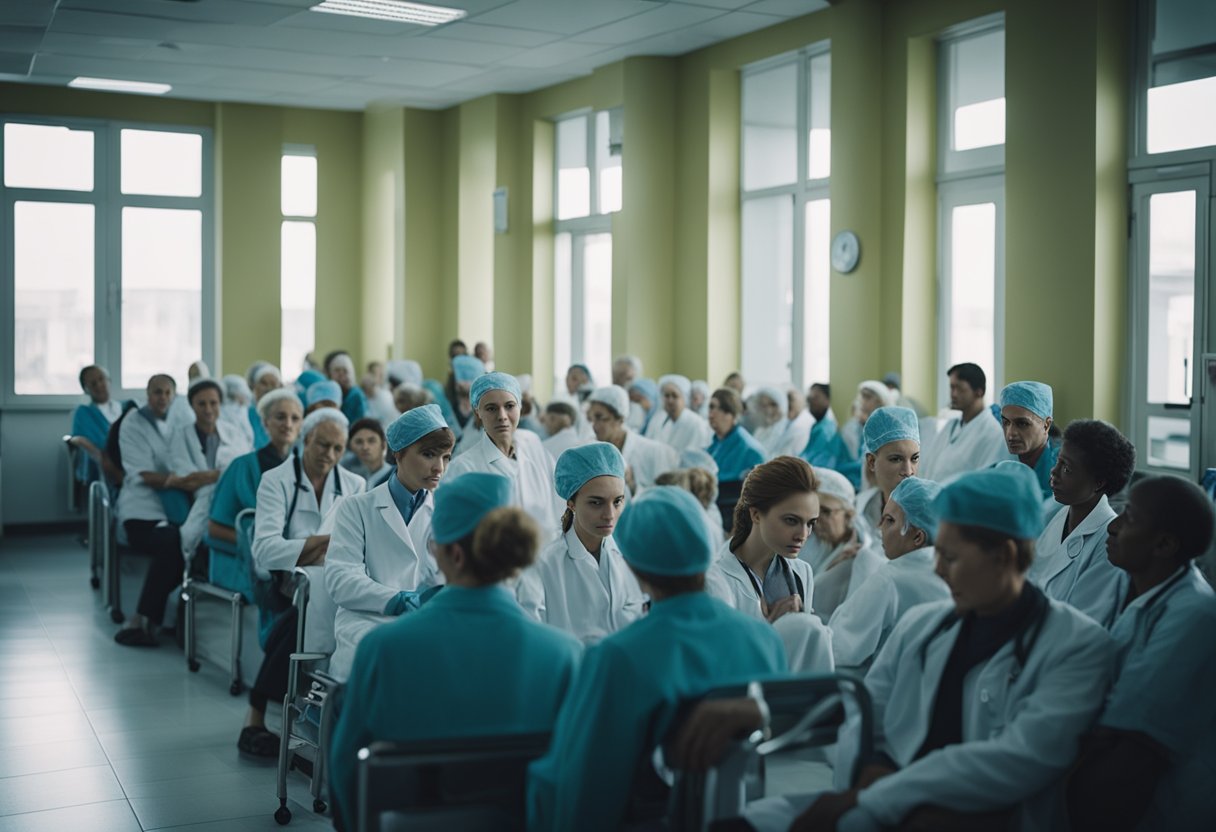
[[979, 161], [108, 203], [307, 151]]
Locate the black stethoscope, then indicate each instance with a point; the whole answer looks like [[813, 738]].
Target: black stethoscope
[[792, 582], [295, 497], [1024, 640]]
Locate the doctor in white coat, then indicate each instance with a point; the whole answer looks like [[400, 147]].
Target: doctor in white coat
[[294, 516], [508, 452], [892, 454], [758, 571], [580, 583], [646, 459], [970, 441], [378, 566], [842, 552], [861, 625], [677, 425], [780, 434]]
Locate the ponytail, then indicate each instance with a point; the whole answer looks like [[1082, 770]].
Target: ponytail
[[567, 520]]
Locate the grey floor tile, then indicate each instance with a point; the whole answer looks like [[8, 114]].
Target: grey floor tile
[[301, 818], [171, 765], [17, 731], [25, 688], [40, 705], [111, 816], [56, 789], [157, 812], [51, 756]]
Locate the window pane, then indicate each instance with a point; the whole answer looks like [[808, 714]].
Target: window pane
[[977, 90], [979, 125], [44, 156], [53, 296], [816, 340], [573, 173], [161, 163], [1171, 296], [1182, 116], [597, 305], [299, 186], [770, 135], [162, 293], [973, 286], [609, 165], [563, 265], [820, 118], [768, 289], [297, 292], [1169, 442]]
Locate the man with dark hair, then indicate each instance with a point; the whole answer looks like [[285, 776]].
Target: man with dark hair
[[560, 421], [965, 442]]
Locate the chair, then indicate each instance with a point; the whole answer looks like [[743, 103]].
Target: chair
[[72, 457], [805, 711], [472, 784], [193, 587], [728, 496], [97, 493], [108, 540]]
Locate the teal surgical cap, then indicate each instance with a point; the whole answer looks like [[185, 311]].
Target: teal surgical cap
[[576, 466], [412, 425], [460, 504], [493, 381], [663, 532], [467, 368], [1005, 499], [308, 378], [648, 389], [1035, 396], [915, 496], [323, 391], [891, 424]]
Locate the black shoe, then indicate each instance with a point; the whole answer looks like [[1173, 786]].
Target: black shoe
[[256, 741], [135, 637]]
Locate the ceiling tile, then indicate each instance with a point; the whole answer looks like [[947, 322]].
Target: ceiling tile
[[26, 12], [659, 19], [273, 81], [15, 63], [564, 16], [60, 43], [422, 73], [112, 25], [552, 55], [492, 34], [734, 24], [788, 8], [718, 4], [124, 70], [247, 12]]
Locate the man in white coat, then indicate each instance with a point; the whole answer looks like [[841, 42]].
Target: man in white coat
[[378, 566], [969, 442], [677, 425]]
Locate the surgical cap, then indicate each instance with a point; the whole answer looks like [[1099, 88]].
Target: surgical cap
[[835, 484], [663, 532], [236, 389], [404, 372], [702, 387], [778, 398], [648, 389], [1035, 396], [325, 414], [342, 360], [467, 368], [697, 458], [493, 381], [1005, 499], [323, 391], [265, 370], [613, 397], [892, 380], [586, 371], [269, 400], [878, 389], [412, 425], [681, 383], [916, 497], [577, 466], [891, 424], [308, 378], [461, 503]]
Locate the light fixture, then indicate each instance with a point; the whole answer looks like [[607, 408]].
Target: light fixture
[[396, 10], [113, 85]]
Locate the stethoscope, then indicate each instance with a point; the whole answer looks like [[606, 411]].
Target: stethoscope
[[792, 582], [1024, 640], [300, 486]]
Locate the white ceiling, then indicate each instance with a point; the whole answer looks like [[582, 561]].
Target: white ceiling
[[278, 52]]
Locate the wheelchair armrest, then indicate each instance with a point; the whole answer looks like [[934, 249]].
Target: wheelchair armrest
[[308, 657]]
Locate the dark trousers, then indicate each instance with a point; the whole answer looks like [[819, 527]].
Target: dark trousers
[[164, 544], [271, 682]]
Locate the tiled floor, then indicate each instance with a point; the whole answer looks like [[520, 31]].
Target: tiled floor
[[94, 736]]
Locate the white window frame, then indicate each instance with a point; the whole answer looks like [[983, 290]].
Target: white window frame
[[803, 191], [108, 202], [980, 161], [310, 151]]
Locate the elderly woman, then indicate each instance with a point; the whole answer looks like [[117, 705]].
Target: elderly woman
[[263, 377], [842, 552], [644, 394], [91, 425], [646, 459], [698, 400], [778, 432], [678, 426], [733, 449], [871, 395], [341, 369]]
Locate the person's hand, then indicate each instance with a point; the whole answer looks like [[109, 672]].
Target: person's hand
[[825, 812], [710, 729], [313, 553], [847, 553], [790, 603]]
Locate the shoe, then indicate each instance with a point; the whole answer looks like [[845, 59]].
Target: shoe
[[256, 741], [135, 637]]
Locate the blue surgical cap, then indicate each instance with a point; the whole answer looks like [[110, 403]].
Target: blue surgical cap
[[1005, 499], [679, 382], [663, 532], [467, 368], [648, 389], [323, 391], [891, 424], [461, 503], [586, 371], [308, 378], [576, 466], [412, 425], [915, 496], [1035, 396], [493, 381]]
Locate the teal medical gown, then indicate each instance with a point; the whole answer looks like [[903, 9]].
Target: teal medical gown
[[626, 694], [1042, 468], [467, 664], [736, 453]]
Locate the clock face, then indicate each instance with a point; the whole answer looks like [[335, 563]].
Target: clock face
[[846, 251]]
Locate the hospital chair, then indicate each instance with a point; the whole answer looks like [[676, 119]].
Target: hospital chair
[[72, 455], [728, 496], [805, 712], [475, 784], [308, 709], [193, 588], [97, 493], [104, 532]]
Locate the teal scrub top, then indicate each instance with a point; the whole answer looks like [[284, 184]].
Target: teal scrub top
[[260, 436], [467, 664], [622, 704], [1042, 468], [736, 454], [820, 449], [237, 489], [354, 405]]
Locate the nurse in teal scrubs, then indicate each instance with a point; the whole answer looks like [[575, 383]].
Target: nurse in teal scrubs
[[631, 683], [1026, 419], [734, 449], [469, 663]]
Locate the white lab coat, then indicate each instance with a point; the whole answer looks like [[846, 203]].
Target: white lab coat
[[835, 585], [869, 511], [277, 543], [786, 437], [381, 407], [648, 458], [688, 432], [1076, 570], [144, 447], [564, 440], [372, 556], [186, 457], [180, 413], [531, 475], [958, 448], [236, 416], [861, 625], [571, 590]]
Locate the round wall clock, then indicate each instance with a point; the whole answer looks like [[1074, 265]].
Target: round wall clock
[[846, 251]]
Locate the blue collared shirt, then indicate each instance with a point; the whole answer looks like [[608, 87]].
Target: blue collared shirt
[[407, 501]]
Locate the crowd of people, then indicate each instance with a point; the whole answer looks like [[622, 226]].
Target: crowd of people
[[1029, 621]]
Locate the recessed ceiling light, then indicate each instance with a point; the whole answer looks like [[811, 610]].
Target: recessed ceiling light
[[112, 85], [397, 10]]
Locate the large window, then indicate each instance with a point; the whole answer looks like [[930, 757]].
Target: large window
[[298, 257], [107, 233], [786, 218], [1178, 91], [587, 193], [971, 201]]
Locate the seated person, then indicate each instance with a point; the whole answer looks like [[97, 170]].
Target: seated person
[[1149, 763], [822, 445], [341, 370], [488, 669], [630, 684], [734, 450], [892, 453], [322, 394], [702, 483], [465, 370], [965, 442], [645, 459], [842, 552], [368, 444], [560, 421], [91, 425], [377, 564], [677, 425], [1026, 408]]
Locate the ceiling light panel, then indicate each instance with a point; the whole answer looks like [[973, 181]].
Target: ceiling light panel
[[395, 10], [114, 85]]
